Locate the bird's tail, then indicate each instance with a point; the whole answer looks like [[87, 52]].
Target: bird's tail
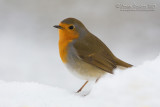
[[122, 63]]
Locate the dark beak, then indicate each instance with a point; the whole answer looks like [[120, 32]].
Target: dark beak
[[58, 27]]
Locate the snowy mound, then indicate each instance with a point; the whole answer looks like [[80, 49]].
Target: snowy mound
[[135, 87]]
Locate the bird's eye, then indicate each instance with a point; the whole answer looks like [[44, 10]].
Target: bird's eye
[[71, 27]]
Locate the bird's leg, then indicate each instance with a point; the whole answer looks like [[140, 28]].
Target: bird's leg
[[82, 87], [97, 80]]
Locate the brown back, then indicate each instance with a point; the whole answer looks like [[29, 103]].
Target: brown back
[[93, 51]]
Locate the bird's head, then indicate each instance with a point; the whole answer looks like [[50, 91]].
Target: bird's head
[[70, 29]]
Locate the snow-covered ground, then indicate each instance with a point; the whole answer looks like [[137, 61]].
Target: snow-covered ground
[[135, 87]]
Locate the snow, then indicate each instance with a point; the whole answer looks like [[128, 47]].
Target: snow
[[135, 87]]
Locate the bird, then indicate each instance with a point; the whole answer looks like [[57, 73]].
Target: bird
[[84, 54]]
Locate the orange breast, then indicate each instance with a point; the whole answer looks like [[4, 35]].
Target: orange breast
[[64, 39], [63, 50]]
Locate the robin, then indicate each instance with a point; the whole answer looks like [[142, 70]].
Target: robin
[[85, 54]]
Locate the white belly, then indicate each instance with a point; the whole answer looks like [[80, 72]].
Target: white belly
[[84, 70]]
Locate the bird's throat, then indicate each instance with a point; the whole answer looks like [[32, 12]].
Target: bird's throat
[[64, 40]]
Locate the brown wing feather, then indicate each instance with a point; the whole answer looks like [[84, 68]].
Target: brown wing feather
[[93, 51]]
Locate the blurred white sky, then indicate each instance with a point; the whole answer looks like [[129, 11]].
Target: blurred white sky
[[28, 42]]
